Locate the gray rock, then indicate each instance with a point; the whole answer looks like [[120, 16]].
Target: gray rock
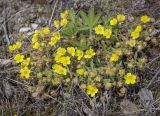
[[24, 29], [34, 25], [30, 33]]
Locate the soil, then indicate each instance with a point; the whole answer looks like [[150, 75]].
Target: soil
[[16, 15]]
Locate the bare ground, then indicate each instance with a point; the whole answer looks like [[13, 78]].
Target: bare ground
[[14, 95]]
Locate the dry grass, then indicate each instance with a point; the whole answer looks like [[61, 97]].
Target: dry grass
[[15, 98]]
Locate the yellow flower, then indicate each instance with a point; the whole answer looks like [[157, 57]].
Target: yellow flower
[[26, 62], [64, 14], [135, 35], [25, 72], [92, 90], [138, 28], [107, 33], [11, 48], [56, 24], [36, 45], [61, 51], [15, 46], [64, 22], [58, 58], [113, 22], [35, 38], [99, 29], [53, 41], [89, 54], [132, 43], [145, 19], [114, 58], [59, 69], [57, 35], [79, 53], [65, 60], [130, 78], [18, 45], [80, 71], [37, 32], [71, 51], [46, 31], [18, 58], [121, 17]]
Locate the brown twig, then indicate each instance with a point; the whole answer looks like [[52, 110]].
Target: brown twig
[[5, 26], [9, 70], [156, 58], [12, 16], [50, 20], [28, 86], [154, 77]]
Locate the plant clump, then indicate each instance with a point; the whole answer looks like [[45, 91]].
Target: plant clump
[[87, 49]]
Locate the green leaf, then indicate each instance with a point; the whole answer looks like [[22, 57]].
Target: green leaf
[[136, 55], [79, 45], [72, 16], [90, 20], [96, 19], [81, 22], [83, 28], [70, 30], [84, 17], [91, 17]]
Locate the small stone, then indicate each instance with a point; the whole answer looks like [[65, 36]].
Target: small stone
[[34, 25], [24, 29], [30, 33]]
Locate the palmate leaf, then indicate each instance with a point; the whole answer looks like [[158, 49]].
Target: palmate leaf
[[91, 17], [81, 22], [72, 16], [90, 20], [96, 19], [85, 20], [83, 28]]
